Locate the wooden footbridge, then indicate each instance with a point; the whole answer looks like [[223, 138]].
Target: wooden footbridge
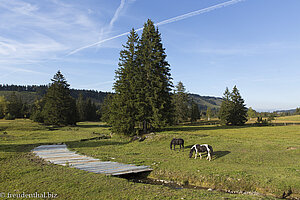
[[60, 154]]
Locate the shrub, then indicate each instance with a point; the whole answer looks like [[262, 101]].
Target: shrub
[[9, 116]]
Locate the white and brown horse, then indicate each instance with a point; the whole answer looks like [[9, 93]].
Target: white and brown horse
[[197, 148]]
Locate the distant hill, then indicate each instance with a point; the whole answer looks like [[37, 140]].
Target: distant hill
[[31, 93], [291, 111], [206, 101]]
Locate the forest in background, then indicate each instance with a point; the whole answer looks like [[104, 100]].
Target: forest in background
[[30, 93]]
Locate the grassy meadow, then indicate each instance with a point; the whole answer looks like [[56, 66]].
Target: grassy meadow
[[289, 119], [261, 159]]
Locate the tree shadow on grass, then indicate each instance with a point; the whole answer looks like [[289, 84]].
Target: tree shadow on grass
[[71, 144], [203, 128], [93, 126], [94, 143]]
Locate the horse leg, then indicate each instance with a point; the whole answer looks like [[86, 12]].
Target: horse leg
[[208, 156], [200, 155]]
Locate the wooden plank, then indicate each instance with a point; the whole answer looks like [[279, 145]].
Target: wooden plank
[[59, 154]]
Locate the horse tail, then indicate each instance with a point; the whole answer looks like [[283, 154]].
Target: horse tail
[[171, 144]]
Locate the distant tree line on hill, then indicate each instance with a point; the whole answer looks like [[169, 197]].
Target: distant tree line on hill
[[96, 96], [55, 107], [30, 97]]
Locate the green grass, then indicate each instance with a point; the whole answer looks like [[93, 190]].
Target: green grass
[[293, 118], [262, 159]]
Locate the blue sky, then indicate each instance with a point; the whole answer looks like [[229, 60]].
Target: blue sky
[[253, 44]]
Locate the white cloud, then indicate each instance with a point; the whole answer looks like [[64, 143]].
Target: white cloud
[[19, 7], [32, 33]]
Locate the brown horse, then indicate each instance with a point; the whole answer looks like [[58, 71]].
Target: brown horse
[[176, 141]]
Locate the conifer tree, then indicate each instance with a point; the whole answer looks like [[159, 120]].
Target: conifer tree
[[297, 112], [60, 107], [226, 108], [90, 110], [195, 113], [181, 101], [3, 106], [14, 106], [106, 109], [155, 107], [81, 108], [233, 110], [122, 106], [239, 110], [37, 114], [143, 85]]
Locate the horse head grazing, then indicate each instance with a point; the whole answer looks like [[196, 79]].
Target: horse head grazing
[[191, 152]]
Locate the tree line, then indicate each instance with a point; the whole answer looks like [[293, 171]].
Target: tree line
[[56, 107], [41, 90]]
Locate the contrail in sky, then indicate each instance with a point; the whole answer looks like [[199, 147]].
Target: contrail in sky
[[167, 21], [112, 21], [117, 13]]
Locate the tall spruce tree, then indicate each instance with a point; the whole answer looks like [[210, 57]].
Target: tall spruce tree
[[122, 105], [60, 107], [181, 103], [226, 108], [239, 110], [142, 85], [154, 101]]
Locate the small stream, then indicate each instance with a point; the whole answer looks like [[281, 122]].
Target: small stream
[[143, 178]]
